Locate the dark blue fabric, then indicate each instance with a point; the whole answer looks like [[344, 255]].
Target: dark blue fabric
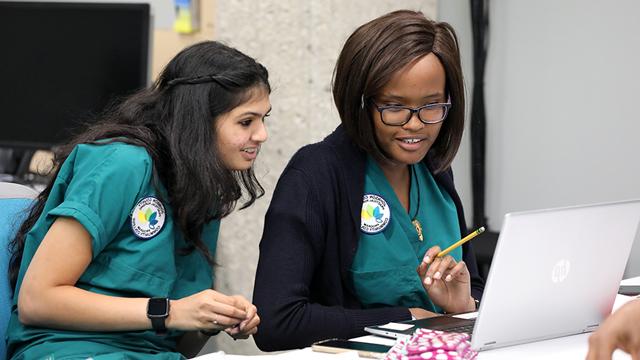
[[303, 290]]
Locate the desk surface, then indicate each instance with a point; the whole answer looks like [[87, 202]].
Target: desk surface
[[564, 348]]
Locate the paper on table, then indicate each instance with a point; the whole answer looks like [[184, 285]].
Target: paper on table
[[374, 339], [396, 326], [471, 315]]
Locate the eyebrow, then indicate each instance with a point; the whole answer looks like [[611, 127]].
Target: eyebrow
[[398, 97], [253, 113]]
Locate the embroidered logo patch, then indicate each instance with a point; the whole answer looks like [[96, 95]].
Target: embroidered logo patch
[[375, 215], [147, 218]]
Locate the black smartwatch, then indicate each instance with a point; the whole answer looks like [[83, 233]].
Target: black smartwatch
[[157, 312]]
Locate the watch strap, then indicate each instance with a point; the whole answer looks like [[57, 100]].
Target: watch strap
[[158, 317], [158, 325]]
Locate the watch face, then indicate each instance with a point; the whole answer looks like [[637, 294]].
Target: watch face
[[158, 307]]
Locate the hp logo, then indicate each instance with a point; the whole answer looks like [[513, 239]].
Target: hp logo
[[560, 271]]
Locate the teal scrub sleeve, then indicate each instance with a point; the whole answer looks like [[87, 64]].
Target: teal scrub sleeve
[[103, 185]]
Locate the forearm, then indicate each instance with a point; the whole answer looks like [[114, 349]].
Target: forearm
[[70, 308], [299, 326]]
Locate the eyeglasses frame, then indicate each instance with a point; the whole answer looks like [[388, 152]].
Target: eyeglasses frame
[[447, 107]]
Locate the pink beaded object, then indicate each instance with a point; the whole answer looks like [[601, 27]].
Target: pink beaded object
[[433, 344]]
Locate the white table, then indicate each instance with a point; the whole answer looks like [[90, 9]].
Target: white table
[[564, 348]]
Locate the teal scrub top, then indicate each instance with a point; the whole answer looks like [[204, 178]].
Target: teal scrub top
[[389, 251], [109, 189]]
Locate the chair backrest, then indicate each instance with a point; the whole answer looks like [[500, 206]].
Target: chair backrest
[[15, 201], [16, 191]]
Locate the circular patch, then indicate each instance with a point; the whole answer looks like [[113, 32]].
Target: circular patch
[[147, 218], [375, 215]]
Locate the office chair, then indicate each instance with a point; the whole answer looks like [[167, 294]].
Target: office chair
[[15, 201]]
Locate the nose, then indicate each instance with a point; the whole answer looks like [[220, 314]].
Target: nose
[[414, 122], [260, 134]]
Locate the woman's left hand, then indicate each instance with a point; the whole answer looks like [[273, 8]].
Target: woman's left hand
[[249, 326], [446, 281]]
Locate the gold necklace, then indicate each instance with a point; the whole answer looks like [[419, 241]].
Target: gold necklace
[[414, 220]]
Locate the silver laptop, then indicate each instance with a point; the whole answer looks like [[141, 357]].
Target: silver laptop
[[633, 263], [554, 273]]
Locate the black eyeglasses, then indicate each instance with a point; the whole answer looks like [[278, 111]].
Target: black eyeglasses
[[396, 115]]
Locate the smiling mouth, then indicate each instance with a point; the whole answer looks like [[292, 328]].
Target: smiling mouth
[[411, 141], [251, 150]]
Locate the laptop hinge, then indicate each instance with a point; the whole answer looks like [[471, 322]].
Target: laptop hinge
[[591, 328]]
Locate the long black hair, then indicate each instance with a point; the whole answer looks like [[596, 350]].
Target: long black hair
[[174, 120]]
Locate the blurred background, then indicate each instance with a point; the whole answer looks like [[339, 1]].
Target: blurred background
[[561, 88]]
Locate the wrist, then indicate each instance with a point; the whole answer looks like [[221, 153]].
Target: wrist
[[464, 306], [473, 304], [171, 320], [158, 311]]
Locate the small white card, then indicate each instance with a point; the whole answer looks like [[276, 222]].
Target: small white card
[[471, 315], [396, 326]]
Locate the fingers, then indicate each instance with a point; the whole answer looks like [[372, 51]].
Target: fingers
[[422, 269], [228, 311], [252, 314], [430, 254], [251, 325], [235, 314], [236, 301], [459, 271], [438, 268], [427, 260], [599, 348], [236, 334], [246, 330]]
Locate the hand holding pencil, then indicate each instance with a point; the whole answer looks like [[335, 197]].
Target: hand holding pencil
[[446, 281]]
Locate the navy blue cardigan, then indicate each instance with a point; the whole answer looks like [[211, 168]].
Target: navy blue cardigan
[[303, 289]]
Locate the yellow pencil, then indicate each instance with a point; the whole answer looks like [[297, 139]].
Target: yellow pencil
[[460, 242]]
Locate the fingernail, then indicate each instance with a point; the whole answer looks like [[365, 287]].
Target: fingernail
[[437, 275], [427, 280], [448, 278], [427, 259]]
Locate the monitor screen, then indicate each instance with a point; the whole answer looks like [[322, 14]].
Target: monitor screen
[[61, 63]]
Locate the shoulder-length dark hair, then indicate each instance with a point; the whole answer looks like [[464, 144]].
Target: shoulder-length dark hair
[[374, 53], [174, 120]]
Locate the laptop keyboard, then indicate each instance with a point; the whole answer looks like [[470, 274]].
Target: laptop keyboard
[[466, 328]]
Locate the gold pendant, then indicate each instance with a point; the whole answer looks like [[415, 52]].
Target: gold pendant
[[418, 227]]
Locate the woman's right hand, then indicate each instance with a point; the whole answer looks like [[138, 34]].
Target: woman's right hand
[[207, 310]]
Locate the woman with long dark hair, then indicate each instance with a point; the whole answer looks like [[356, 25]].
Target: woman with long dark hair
[[115, 259], [356, 220]]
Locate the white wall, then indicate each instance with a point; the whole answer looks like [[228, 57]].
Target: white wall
[[562, 89], [458, 14], [562, 84]]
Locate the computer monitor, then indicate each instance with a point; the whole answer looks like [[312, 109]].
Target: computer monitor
[[61, 63]]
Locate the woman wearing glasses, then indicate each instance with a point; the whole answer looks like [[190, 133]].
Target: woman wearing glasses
[[354, 217]]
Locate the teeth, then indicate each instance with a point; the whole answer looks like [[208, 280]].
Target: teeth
[[411, 141], [249, 150]]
